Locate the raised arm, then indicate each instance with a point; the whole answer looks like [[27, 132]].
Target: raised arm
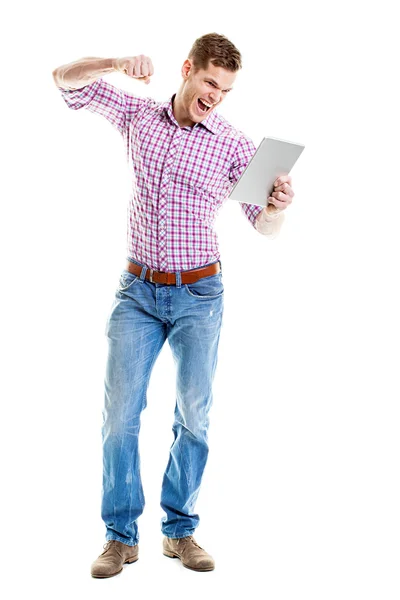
[[82, 72]]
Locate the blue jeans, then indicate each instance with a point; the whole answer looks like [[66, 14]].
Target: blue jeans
[[142, 317]]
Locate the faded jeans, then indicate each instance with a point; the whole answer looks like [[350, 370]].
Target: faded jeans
[[142, 317]]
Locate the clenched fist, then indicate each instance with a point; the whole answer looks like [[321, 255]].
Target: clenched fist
[[139, 67]]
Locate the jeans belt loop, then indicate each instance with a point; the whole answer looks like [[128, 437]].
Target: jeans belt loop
[[151, 275]]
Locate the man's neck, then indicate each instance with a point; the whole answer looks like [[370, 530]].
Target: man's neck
[[178, 114]]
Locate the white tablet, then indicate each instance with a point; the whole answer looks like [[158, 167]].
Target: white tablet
[[273, 158]]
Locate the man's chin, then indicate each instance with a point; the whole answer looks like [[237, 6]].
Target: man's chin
[[195, 118], [200, 118]]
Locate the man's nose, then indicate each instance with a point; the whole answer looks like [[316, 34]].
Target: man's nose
[[215, 97]]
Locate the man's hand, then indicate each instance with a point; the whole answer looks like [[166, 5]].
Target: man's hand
[[281, 197], [139, 67]]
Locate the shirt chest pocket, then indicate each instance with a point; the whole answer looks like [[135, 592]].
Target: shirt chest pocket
[[205, 178]]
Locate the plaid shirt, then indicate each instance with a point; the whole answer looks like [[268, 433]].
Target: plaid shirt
[[181, 176]]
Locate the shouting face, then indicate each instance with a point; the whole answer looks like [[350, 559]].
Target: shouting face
[[201, 92]]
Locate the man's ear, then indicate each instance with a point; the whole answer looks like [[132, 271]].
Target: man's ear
[[186, 68]]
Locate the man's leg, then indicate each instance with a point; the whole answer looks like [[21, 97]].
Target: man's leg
[[194, 339], [135, 337]]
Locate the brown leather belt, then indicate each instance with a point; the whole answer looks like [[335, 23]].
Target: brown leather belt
[[190, 276]]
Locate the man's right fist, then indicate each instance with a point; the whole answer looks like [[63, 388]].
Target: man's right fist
[[139, 67]]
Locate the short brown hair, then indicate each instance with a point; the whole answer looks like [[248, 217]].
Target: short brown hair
[[218, 50]]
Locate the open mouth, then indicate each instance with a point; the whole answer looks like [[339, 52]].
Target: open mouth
[[202, 107]]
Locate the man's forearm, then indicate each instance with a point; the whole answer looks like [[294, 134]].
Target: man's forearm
[[82, 72], [269, 224]]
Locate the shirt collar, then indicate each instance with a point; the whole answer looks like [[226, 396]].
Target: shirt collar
[[211, 122]]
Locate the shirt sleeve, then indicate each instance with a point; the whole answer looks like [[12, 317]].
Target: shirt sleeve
[[117, 106], [244, 152]]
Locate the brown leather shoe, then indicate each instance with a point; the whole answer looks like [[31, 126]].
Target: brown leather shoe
[[115, 555], [191, 554]]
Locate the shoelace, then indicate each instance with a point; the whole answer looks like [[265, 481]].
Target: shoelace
[[190, 538], [107, 546]]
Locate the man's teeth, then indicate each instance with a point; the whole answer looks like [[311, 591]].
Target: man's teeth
[[204, 102]]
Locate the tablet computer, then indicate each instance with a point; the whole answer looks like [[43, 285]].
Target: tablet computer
[[273, 158]]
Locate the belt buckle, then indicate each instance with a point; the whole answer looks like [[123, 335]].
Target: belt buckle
[[151, 276]]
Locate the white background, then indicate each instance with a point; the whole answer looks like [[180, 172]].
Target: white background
[[300, 496]]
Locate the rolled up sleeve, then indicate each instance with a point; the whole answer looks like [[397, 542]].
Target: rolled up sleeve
[[244, 153], [117, 106]]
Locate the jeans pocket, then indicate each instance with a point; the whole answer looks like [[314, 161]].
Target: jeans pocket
[[126, 280], [206, 287]]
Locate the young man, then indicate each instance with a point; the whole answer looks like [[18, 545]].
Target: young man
[[184, 159]]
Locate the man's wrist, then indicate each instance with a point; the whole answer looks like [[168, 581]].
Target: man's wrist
[[269, 226], [270, 213]]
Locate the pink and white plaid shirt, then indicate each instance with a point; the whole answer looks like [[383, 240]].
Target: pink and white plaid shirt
[[181, 176]]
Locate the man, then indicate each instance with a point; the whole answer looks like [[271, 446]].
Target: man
[[184, 159]]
